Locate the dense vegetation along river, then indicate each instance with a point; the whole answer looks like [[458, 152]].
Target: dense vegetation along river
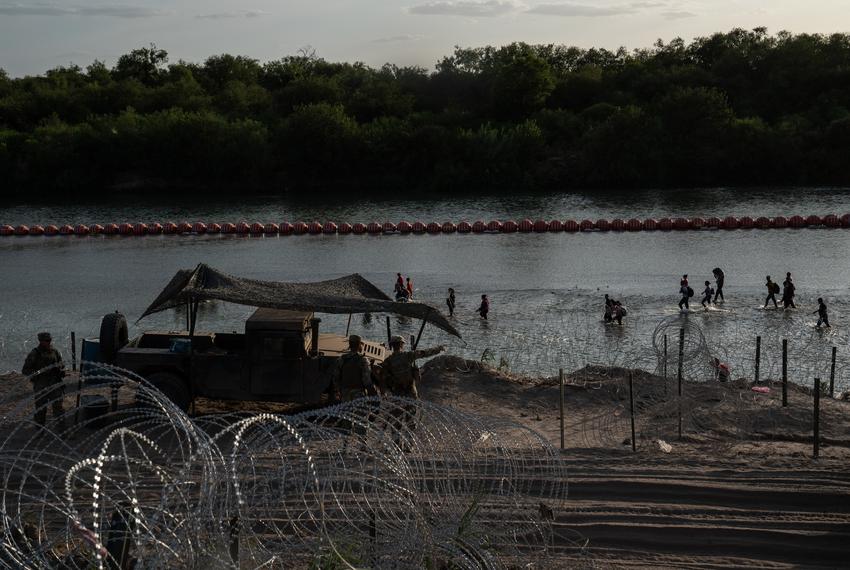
[[545, 289]]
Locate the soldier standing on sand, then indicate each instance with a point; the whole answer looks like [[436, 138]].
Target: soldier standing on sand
[[41, 357], [354, 377]]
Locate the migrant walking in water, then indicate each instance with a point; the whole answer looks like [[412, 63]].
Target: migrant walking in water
[[788, 292], [686, 292], [618, 312], [719, 278], [484, 309], [823, 317], [609, 309], [706, 295], [450, 302], [772, 290]]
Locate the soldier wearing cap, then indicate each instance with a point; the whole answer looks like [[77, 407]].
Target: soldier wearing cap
[[354, 377], [45, 368], [400, 370]]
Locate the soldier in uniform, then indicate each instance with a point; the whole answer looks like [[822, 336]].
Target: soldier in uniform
[[354, 377], [41, 357]]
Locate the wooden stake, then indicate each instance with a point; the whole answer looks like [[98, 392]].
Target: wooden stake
[[681, 357], [784, 372], [561, 403], [389, 334], [632, 410], [665, 365], [816, 420], [758, 357], [831, 374]]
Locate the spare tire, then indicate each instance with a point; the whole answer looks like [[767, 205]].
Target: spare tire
[[113, 336], [173, 387]]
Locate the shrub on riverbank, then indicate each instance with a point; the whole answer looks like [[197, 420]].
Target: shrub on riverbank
[[735, 108]]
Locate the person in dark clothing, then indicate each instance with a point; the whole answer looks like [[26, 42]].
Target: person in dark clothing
[[685, 291], [450, 302], [609, 308], [719, 277], [45, 369], [484, 309], [788, 292], [706, 295], [823, 317], [772, 290], [618, 312]]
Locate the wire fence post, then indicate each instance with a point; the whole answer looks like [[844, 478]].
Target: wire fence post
[[679, 375], [389, 333], [832, 374], [758, 357], [632, 410], [664, 365], [784, 372], [561, 383], [816, 421]]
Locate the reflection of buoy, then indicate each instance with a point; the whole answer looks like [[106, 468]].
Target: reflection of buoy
[[650, 224], [797, 222], [556, 226], [602, 225], [779, 222], [329, 228], [541, 226], [6, 230], [571, 226], [199, 228], [66, 230], [36, 230], [97, 229], [404, 227], [509, 227], [525, 226], [464, 227], [762, 222], [618, 225], [213, 228], [286, 229], [155, 228], [433, 228], [22, 230], [358, 228], [418, 227], [344, 228], [494, 226], [228, 228], [479, 227], [585, 225], [271, 229], [634, 225]]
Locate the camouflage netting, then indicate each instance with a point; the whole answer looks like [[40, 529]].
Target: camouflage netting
[[345, 295]]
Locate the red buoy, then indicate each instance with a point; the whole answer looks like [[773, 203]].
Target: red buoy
[[125, 229], [526, 225], [212, 228], [813, 220], [199, 228], [697, 223], [509, 227], [448, 228], [418, 227], [358, 228], [228, 228], [570, 226], [81, 230], [556, 226], [682, 224], [618, 225], [602, 225], [713, 222], [845, 220], [66, 230], [404, 227], [286, 229], [256, 228], [541, 226], [388, 228], [140, 229], [184, 228], [747, 222], [155, 228], [49, 230], [329, 228], [479, 227], [167, 228], [271, 229], [730, 223], [586, 225], [314, 228], [665, 224], [97, 229], [650, 224], [464, 227], [299, 228], [23, 230], [762, 222], [494, 226], [779, 222], [831, 221], [344, 228], [7, 230], [433, 228], [797, 222], [36, 230], [634, 225], [374, 228]]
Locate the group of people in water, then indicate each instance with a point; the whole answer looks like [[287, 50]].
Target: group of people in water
[[404, 293], [483, 309]]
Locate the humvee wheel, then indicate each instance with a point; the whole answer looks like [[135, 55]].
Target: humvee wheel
[[173, 387], [113, 336]]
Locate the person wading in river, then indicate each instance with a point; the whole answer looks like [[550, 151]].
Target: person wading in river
[[788, 292], [772, 290], [719, 278]]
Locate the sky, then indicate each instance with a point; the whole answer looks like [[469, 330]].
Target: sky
[[39, 35]]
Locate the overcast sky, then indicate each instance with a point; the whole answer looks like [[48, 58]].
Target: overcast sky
[[39, 35]]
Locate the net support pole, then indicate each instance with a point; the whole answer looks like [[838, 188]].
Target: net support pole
[[561, 403], [784, 372], [816, 421], [831, 374], [632, 410], [679, 375], [758, 358]]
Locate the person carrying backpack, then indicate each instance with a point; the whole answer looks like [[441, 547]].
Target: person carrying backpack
[[788, 292], [686, 292], [772, 290]]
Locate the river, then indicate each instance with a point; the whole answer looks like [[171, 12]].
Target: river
[[545, 289]]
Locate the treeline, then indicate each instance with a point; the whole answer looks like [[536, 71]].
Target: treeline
[[737, 108]]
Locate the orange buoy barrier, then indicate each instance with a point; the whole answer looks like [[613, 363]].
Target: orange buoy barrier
[[50, 230], [747, 222], [358, 228], [681, 224], [154, 229], [228, 228], [634, 225], [540, 226], [213, 228], [525, 226], [479, 227], [779, 222], [140, 229], [271, 229], [585, 225], [6, 230], [169, 228], [697, 223], [299, 228], [418, 228], [464, 227], [184, 228], [618, 225], [556, 226], [285, 229], [509, 227], [571, 226], [374, 228], [314, 228], [36, 230], [388, 227], [602, 225], [96, 229], [845, 220], [713, 222], [81, 230], [494, 226], [730, 223], [199, 228], [66, 230], [448, 228], [762, 222], [797, 222], [329, 228], [22, 230], [813, 220], [404, 227], [650, 224], [433, 228], [831, 221], [256, 228], [665, 224], [344, 228]]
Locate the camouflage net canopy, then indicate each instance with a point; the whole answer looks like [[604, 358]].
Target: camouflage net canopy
[[122, 476], [346, 295]]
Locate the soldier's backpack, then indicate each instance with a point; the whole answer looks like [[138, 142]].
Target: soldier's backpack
[[775, 287]]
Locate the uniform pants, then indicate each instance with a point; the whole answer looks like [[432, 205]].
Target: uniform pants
[[43, 396]]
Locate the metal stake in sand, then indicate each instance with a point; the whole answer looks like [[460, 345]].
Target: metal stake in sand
[[679, 375], [832, 375], [758, 357], [816, 420], [632, 411], [389, 334], [665, 365], [74, 368], [561, 403], [784, 372]]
